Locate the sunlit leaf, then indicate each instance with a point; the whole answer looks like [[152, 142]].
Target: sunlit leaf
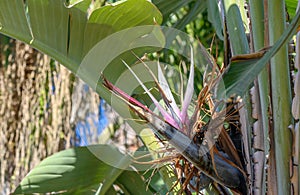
[[291, 6], [73, 169], [64, 31]]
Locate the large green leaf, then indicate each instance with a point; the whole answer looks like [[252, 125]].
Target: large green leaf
[[13, 19], [65, 32], [236, 28], [241, 74], [76, 170], [68, 170], [170, 7], [173, 7], [291, 6], [215, 17], [132, 183]]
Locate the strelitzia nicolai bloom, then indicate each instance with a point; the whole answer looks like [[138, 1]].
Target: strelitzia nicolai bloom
[[175, 125]]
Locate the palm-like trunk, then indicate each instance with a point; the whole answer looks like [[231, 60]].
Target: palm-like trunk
[[34, 110]]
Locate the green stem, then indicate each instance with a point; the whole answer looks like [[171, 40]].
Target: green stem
[[281, 96], [257, 21]]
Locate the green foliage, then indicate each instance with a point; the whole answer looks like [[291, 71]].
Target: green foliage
[[66, 33], [214, 16], [168, 8], [76, 170], [291, 6], [241, 74]]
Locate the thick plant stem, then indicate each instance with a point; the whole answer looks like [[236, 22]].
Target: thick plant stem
[[257, 21], [281, 96]]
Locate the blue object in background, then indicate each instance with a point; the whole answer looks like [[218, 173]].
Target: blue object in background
[[88, 131]]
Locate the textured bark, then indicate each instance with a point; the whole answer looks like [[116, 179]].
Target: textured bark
[[35, 107]]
